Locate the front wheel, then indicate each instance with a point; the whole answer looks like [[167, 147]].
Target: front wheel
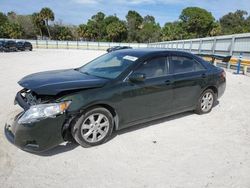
[[93, 128], [206, 102]]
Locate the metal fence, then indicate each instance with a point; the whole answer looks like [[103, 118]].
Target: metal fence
[[87, 45], [222, 45]]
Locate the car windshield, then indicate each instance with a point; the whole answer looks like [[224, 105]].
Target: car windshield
[[110, 65]]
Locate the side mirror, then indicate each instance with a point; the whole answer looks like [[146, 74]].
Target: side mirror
[[137, 77]]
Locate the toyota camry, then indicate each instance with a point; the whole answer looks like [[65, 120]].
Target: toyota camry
[[114, 91]]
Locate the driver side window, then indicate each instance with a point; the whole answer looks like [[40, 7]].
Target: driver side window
[[153, 68]]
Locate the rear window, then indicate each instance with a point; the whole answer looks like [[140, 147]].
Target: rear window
[[182, 64]]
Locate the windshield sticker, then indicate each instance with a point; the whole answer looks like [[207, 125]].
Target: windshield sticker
[[130, 58]]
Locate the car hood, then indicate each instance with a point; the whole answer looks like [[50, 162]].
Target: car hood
[[54, 82]]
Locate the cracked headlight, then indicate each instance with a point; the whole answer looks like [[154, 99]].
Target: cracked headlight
[[42, 111]]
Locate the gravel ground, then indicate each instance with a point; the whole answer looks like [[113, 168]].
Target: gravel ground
[[186, 150]]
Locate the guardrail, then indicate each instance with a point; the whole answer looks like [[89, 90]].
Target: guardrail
[[227, 45], [231, 45]]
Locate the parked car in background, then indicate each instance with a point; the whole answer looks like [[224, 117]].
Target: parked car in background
[[114, 48], [24, 45], [112, 92], [8, 46], [1, 45]]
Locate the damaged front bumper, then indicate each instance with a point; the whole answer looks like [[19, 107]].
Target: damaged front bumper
[[37, 136]]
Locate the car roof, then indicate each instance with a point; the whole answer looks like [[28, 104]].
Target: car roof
[[149, 51]]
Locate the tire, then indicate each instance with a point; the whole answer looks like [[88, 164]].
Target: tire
[[93, 127], [205, 102]]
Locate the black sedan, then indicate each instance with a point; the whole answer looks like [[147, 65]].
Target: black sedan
[[115, 91], [1, 45], [8, 46], [24, 45]]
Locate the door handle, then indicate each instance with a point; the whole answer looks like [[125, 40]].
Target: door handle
[[203, 75], [168, 82]]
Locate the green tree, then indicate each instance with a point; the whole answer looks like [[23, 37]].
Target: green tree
[[134, 23], [173, 31], [61, 32], [110, 19], [217, 30], [25, 21], [12, 30], [3, 20], [197, 21], [150, 30], [116, 31], [83, 32], [96, 26], [38, 22], [47, 15], [236, 22]]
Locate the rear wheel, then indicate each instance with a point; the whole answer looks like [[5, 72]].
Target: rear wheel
[[206, 102], [93, 128]]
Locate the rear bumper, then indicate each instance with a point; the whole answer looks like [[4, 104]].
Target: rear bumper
[[221, 87], [35, 137]]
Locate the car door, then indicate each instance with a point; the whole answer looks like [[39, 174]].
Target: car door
[[148, 98], [189, 78]]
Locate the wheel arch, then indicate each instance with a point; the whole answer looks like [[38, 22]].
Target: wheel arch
[[66, 133], [213, 88]]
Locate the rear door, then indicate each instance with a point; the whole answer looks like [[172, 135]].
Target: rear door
[[189, 78], [151, 97]]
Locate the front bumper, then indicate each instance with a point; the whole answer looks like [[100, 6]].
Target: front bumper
[[35, 137]]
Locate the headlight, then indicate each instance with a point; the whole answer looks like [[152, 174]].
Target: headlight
[[42, 111]]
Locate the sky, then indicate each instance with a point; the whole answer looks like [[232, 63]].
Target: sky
[[79, 11]]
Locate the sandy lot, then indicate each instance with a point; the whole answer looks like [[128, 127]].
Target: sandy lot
[[185, 150]]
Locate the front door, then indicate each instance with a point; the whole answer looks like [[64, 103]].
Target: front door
[[148, 98]]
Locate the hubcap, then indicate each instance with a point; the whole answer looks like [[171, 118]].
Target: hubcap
[[95, 127], [207, 101]]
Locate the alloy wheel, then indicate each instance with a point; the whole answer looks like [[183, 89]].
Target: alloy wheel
[[95, 127], [207, 101]]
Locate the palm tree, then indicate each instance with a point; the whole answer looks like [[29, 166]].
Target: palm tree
[[38, 22], [47, 15]]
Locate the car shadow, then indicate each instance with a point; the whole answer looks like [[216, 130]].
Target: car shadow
[[149, 123], [62, 148], [154, 122], [72, 145]]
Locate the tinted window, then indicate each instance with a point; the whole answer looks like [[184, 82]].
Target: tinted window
[[181, 64], [153, 68]]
